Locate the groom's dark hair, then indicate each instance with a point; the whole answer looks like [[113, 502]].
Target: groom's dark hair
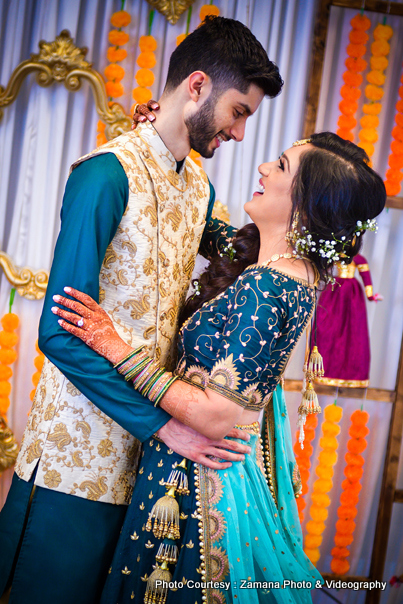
[[228, 52]]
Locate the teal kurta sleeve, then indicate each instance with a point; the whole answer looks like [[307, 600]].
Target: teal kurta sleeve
[[95, 198], [216, 232]]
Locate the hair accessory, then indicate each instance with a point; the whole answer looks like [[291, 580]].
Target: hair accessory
[[303, 141], [229, 251], [197, 288]]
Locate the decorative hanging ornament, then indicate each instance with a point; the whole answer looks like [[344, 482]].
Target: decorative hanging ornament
[[171, 9]]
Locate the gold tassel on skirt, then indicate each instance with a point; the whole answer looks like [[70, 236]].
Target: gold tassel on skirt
[[166, 517], [157, 594]]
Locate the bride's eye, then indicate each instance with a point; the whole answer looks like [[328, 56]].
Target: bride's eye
[[281, 164]]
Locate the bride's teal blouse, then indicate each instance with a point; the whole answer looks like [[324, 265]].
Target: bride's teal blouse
[[239, 343]]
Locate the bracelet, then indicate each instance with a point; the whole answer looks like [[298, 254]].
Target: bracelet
[[148, 377]]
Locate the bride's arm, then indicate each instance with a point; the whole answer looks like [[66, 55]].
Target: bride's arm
[[206, 411]]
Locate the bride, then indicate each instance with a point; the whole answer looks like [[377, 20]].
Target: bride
[[193, 534]]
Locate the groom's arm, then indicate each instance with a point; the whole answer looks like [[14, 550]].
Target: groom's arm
[[95, 198]]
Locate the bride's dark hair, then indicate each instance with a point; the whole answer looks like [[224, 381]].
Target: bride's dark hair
[[333, 188]]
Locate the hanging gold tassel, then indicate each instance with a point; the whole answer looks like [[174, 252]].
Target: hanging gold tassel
[[157, 594], [179, 481], [310, 403], [166, 517], [315, 366], [167, 552]]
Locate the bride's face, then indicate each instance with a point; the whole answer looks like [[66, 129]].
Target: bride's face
[[272, 204]]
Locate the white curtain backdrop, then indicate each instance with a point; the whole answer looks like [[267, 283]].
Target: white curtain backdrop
[[45, 130]]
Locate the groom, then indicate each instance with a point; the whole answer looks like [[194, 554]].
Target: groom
[[133, 218]]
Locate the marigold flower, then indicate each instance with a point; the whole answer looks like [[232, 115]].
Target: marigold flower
[[339, 567], [357, 445], [114, 89], [354, 460], [379, 63], [356, 50], [374, 93], [324, 471], [318, 513], [392, 188], [353, 473], [328, 458], [343, 540], [355, 64], [8, 339], [380, 48], [397, 133], [351, 487], [397, 147], [115, 55], [321, 499], [340, 552], [208, 9], [5, 388], [323, 485], [368, 148], [352, 78], [372, 108], [357, 36], [118, 38], [347, 498], [7, 356], [394, 175], [333, 413], [5, 372], [145, 77], [383, 32], [369, 121], [395, 162], [347, 512], [146, 60], [120, 19], [38, 362], [346, 134], [114, 72], [376, 77], [348, 107], [349, 93], [368, 135], [360, 22], [330, 429], [35, 378], [313, 554], [315, 528], [313, 541], [142, 95], [304, 474], [10, 321], [101, 139], [345, 527], [148, 43], [328, 442], [180, 38], [4, 405]]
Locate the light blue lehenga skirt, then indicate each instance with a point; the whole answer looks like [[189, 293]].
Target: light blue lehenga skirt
[[240, 538]]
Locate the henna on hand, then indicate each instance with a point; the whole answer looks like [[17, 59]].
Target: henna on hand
[[144, 112], [91, 324]]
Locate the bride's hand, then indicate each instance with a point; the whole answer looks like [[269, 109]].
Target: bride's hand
[[91, 324]]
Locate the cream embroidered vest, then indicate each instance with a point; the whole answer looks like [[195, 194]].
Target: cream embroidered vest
[[143, 284]]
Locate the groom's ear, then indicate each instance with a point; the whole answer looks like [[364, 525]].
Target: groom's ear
[[199, 86]]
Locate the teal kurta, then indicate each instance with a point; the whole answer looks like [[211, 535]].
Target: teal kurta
[[240, 525], [81, 534]]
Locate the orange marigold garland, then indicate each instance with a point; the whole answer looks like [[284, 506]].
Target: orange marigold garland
[[303, 459], [394, 174], [352, 77], [347, 510], [374, 89], [38, 362], [323, 484], [8, 356], [146, 61], [114, 73]]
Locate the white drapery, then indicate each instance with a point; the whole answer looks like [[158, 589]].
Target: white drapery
[[47, 129]]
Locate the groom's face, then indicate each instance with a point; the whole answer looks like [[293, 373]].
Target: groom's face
[[222, 119]]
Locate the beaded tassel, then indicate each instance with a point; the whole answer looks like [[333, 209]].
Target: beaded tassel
[[165, 513], [157, 593], [315, 366], [167, 552]]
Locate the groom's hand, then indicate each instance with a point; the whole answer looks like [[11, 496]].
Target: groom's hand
[[192, 445]]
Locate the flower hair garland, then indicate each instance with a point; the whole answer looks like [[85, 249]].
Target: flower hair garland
[[307, 242]]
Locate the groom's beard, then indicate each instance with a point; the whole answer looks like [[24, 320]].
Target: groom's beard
[[202, 129]]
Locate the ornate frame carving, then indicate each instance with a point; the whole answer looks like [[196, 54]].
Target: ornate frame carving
[[57, 61]]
